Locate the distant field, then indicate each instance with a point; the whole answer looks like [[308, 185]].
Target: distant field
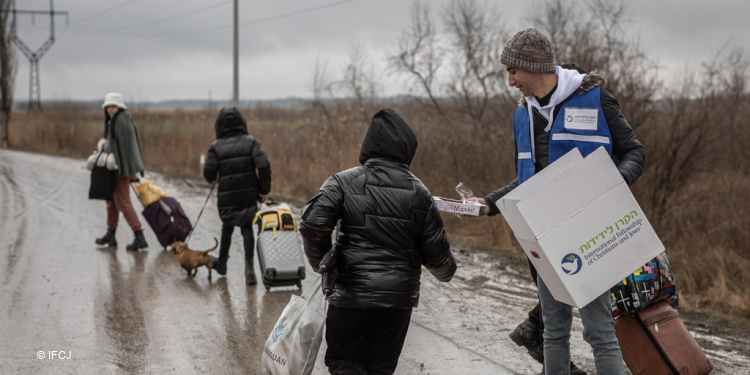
[[704, 225]]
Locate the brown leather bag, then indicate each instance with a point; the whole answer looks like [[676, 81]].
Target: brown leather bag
[[654, 341]]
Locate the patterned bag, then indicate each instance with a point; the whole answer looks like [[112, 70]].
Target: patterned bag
[[651, 283]]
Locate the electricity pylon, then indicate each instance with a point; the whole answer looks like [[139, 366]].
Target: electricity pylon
[[35, 100]]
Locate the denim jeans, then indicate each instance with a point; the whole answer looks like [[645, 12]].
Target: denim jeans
[[598, 331]]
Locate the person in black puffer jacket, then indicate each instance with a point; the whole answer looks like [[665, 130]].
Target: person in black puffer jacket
[[387, 228], [244, 177]]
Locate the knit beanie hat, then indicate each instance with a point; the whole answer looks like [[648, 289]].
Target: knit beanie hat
[[114, 99], [529, 50]]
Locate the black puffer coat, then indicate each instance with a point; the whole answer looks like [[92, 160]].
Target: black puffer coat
[[234, 157], [628, 150], [387, 224]]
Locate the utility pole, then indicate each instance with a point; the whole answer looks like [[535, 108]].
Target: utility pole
[[35, 101], [236, 91]]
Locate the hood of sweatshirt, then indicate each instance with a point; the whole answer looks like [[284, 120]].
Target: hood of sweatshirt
[[389, 137]]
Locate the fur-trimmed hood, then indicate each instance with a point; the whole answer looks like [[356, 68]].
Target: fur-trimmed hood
[[591, 80]]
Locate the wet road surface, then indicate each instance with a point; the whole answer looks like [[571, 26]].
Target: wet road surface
[[98, 310]]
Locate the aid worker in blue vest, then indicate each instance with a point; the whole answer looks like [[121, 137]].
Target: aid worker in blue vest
[[563, 108]]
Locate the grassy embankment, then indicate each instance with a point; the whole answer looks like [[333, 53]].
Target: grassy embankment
[[704, 229]]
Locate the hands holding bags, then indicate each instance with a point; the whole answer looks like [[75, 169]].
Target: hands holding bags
[[100, 158], [292, 346]]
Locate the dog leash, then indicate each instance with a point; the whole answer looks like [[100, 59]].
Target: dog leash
[[200, 213]]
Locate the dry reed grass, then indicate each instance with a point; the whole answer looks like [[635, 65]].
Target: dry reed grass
[[705, 235]]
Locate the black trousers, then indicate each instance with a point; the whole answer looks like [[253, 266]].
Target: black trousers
[[248, 240], [365, 341]]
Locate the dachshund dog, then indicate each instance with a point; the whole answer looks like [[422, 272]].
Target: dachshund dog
[[190, 259]]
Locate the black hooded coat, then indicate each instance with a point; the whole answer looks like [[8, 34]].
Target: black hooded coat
[[387, 225], [234, 157]]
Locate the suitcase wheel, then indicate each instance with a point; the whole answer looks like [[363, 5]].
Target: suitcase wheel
[[301, 272], [268, 287], [270, 274]]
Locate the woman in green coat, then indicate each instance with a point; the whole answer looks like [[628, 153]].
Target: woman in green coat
[[122, 141]]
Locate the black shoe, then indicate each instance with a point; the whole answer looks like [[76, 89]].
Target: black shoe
[[527, 334], [139, 242], [107, 239], [219, 267]]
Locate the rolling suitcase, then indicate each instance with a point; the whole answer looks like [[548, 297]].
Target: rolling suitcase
[[168, 220], [280, 256], [163, 213], [655, 341]]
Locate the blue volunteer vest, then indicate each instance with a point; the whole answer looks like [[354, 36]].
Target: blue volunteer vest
[[580, 124]]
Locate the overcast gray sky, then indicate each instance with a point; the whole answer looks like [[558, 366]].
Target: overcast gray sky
[[182, 49]]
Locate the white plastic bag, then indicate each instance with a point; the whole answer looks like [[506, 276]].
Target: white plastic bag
[[101, 159], [91, 161], [292, 346]]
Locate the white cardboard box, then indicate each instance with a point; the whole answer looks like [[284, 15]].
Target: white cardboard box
[[456, 206], [580, 226]]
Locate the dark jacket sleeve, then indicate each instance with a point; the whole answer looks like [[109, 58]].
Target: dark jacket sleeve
[[628, 150], [319, 218], [264, 168], [211, 167], [497, 194], [436, 249]]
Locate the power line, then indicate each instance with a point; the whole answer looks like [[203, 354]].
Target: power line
[[171, 18], [261, 20], [104, 11]]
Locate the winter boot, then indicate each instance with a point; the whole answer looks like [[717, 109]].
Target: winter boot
[[220, 266], [108, 239], [529, 335], [139, 242], [250, 272]]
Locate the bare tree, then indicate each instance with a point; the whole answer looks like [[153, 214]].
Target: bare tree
[[727, 77], [700, 128], [7, 67], [477, 39], [462, 66], [358, 80], [597, 40], [677, 143], [322, 89], [418, 54]]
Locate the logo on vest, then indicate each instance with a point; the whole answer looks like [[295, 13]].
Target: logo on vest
[[581, 118], [571, 264]]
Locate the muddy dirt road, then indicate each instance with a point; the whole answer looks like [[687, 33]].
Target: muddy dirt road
[[110, 311]]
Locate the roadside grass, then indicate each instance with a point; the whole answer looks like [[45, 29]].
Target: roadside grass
[[705, 235]]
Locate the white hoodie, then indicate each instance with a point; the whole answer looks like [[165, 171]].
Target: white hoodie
[[568, 81]]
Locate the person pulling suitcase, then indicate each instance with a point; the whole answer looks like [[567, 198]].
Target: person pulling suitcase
[[122, 140], [238, 163]]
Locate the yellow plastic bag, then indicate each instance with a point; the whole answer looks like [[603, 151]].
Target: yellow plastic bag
[[148, 193]]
